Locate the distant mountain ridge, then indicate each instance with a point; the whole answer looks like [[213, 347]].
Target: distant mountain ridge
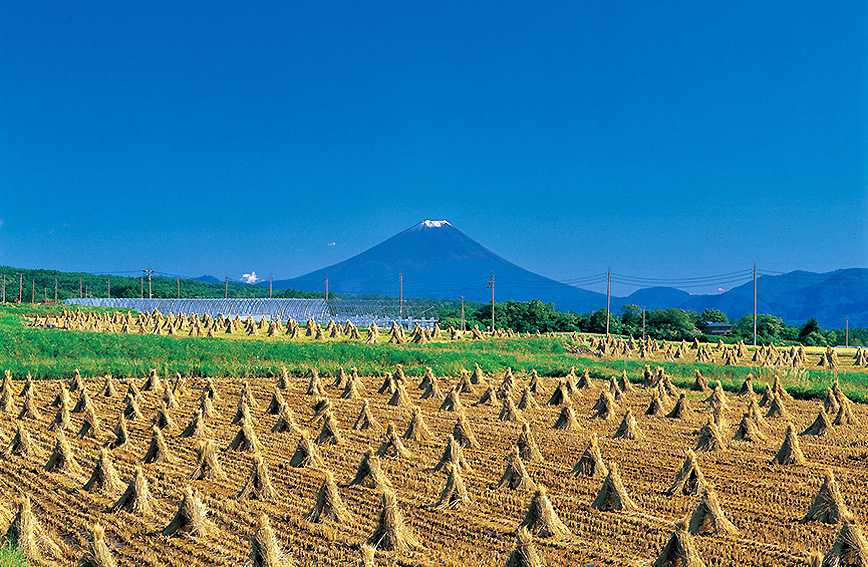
[[439, 261]]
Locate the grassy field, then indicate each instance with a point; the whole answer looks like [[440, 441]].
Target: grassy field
[[52, 353]]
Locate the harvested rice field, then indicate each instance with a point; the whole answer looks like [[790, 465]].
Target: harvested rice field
[[224, 484]]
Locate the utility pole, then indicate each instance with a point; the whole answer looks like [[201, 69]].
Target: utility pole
[[80, 289], [33, 291], [270, 287], [142, 293], [20, 288], [491, 286], [462, 312], [754, 304], [643, 323], [86, 290], [4, 288], [179, 288], [226, 293], [401, 296], [608, 297], [847, 332], [327, 287], [55, 290], [150, 272], [109, 282]]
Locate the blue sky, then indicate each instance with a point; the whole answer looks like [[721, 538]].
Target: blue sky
[[663, 140]]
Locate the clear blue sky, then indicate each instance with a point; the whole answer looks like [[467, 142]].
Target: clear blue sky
[[663, 139]]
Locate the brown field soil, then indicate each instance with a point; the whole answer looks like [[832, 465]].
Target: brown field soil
[[763, 500]]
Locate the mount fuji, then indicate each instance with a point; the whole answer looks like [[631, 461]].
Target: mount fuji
[[439, 261]]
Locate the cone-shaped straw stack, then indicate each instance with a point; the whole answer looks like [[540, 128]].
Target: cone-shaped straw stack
[[708, 518], [612, 494], [541, 518], [828, 504], [391, 532], [191, 517], [790, 453], [329, 505]]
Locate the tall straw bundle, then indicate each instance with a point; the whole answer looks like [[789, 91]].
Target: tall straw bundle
[[306, 453], [245, 439], [681, 410], [152, 383], [265, 550], [136, 499], [169, 399], [591, 462], [777, 408], [29, 537], [258, 484], [747, 430], [132, 411], [605, 407], [708, 517], [628, 428], [242, 414], [399, 397], [700, 382], [464, 385], [97, 554], [828, 505], [104, 477], [454, 495], [567, 419], [197, 428], [62, 399], [709, 438], [391, 533], [366, 418], [527, 446], [207, 464], [655, 407], [524, 554], [392, 445], [746, 388], [330, 433], [191, 517], [515, 476], [329, 504], [463, 433], [850, 547], [158, 451], [120, 436], [62, 459], [689, 481], [790, 453], [680, 550], [541, 518], [21, 443], [452, 453], [370, 472], [508, 411], [285, 422], [527, 400], [489, 397], [417, 430], [820, 426], [314, 386], [452, 402], [62, 419], [612, 494], [624, 382], [163, 420], [561, 395], [30, 410], [478, 377]]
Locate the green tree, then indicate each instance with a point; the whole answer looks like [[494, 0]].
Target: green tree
[[671, 324], [809, 326], [711, 316], [768, 328], [631, 320]]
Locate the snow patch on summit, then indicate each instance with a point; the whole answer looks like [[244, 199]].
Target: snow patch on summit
[[435, 223]]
